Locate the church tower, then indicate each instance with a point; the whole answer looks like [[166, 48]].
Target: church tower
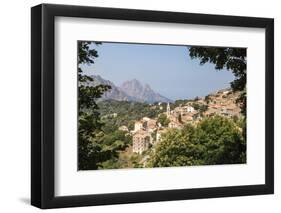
[[168, 109]]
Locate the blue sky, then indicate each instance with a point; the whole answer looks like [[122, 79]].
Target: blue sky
[[168, 69]]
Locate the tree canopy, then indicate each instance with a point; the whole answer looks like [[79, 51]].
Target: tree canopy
[[215, 140], [89, 124], [99, 143], [163, 120]]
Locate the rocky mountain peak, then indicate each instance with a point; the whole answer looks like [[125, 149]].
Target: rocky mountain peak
[[131, 90]]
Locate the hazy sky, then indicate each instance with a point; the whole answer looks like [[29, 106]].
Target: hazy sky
[[167, 69]]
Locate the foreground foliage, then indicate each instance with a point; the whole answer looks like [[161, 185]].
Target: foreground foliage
[[215, 140], [94, 147]]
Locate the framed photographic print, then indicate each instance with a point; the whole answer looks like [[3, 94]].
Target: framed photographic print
[[139, 106]]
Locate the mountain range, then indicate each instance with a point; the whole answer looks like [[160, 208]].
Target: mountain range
[[131, 90]]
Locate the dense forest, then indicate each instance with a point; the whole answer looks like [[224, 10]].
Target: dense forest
[[127, 112]]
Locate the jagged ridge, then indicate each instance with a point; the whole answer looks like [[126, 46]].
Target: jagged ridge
[[132, 90]]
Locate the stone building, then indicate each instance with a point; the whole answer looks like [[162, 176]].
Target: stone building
[[151, 125], [141, 141], [175, 124], [187, 118], [138, 126], [189, 109]]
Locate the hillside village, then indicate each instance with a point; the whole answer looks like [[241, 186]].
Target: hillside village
[[147, 131]]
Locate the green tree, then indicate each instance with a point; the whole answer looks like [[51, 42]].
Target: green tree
[[163, 120], [196, 106], [233, 59], [179, 118], [222, 140], [175, 149], [179, 102], [207, 98], [90, 151], [203, 108]]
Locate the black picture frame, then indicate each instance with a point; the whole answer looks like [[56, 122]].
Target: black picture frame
[[43, 102]]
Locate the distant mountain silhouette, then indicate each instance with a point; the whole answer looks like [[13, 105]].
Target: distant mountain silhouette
[[132, 90], [142, 93]]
